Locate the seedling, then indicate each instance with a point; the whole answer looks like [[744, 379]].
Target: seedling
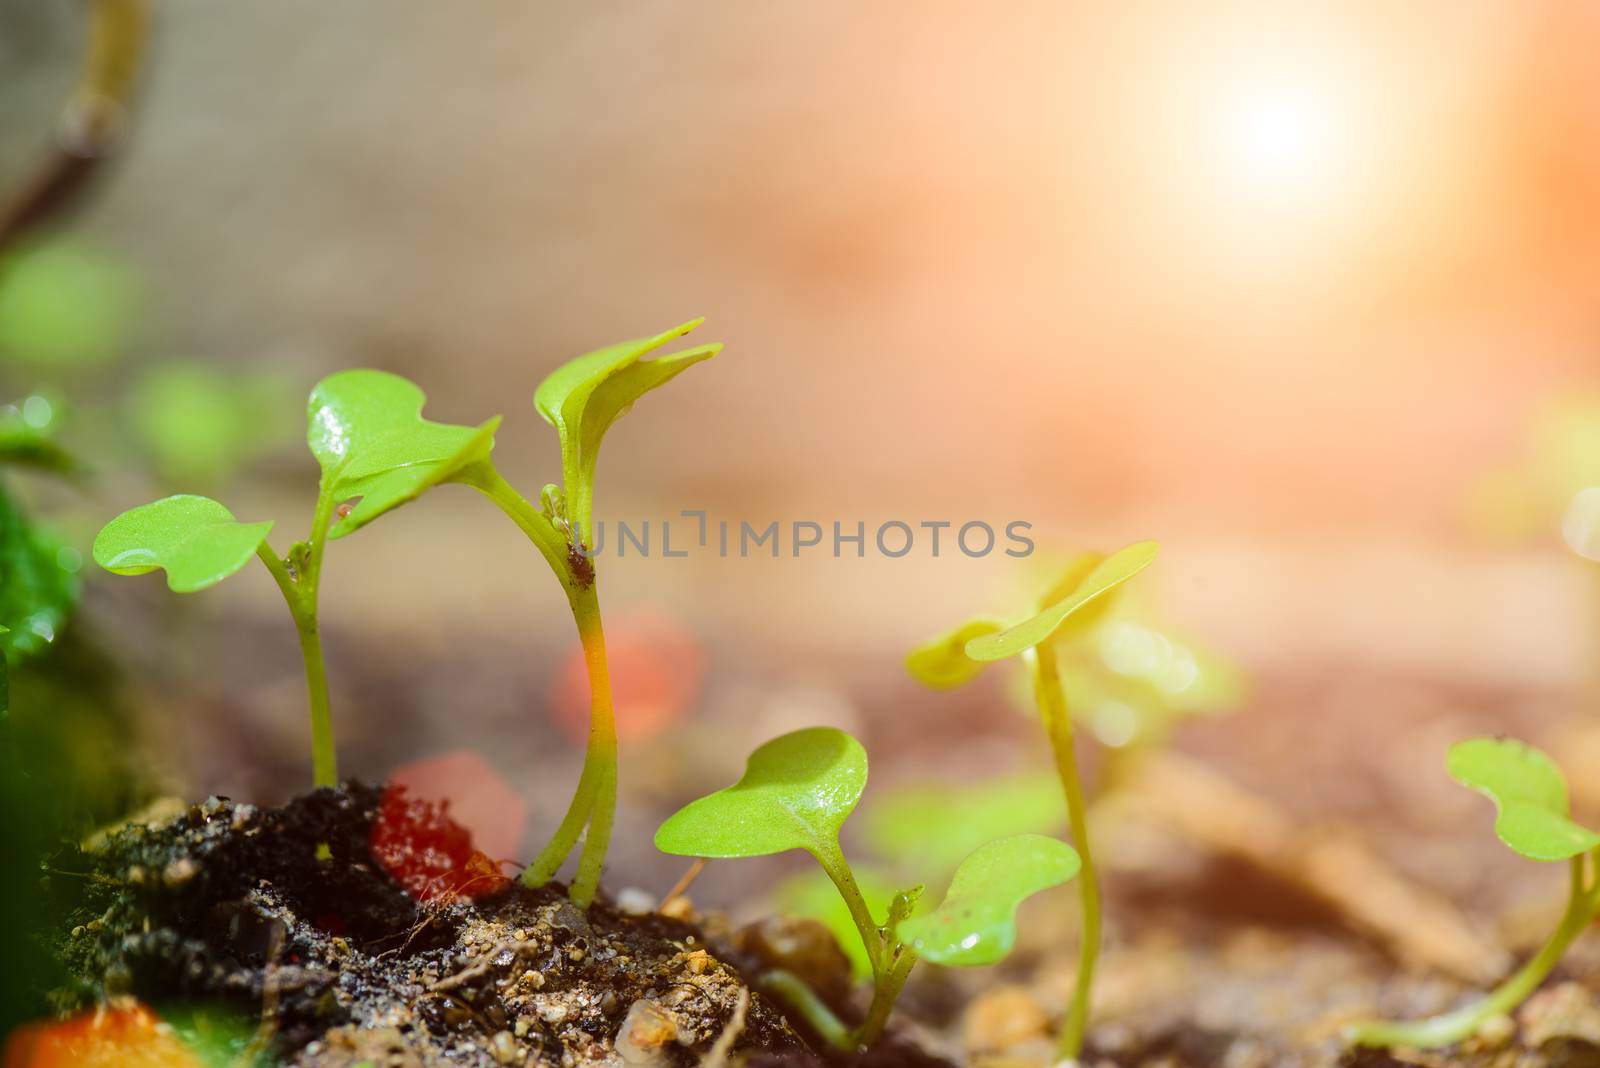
[[582, 399], [377, 452], [1533, 818], [953, 659], [796, 793], [366, 430]]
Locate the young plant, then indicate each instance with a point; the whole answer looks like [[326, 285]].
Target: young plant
[[957, 657], [796, 792], [376, 452], [1533, 818], [582, 399]]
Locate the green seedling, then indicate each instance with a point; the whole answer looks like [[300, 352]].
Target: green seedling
[[1069, 607], [1533, 818], [582, 399], [796, 793], [376, 452]]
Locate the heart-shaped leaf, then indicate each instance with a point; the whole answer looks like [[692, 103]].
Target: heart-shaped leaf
[[1528, 792], [943, 663], [195, 539], [795, 793], [977, 923], [1105, 576], [366, 430], [583, 397], [39, 584]]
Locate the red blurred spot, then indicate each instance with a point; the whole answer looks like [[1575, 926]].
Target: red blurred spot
[[428, 853], [656, 666], [107, 1038], [479, 798]]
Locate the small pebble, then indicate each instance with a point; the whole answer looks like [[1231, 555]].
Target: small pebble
[[1002, 1018], [645, 1030], [1496, 1031], [635, 902], [503, 1047], [179, 872]]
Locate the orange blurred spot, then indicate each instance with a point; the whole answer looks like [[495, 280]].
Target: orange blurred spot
[[428, 853], [107, 1038], [656, 666], [478, 797]]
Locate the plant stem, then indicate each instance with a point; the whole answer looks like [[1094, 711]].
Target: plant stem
[[1451, 1027], [301, 597], [837, 868], [885, 990], [1058, 725], [594, 802], [804, 1000]]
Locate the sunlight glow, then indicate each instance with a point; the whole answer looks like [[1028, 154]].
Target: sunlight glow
[[1284, 137]]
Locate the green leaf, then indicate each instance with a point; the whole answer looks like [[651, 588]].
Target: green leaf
[[39, 584], [1105, 576], [1528, 792], [795, 793], [583, 397], [195, 539], [943, 663], [366, 430], [977, 923]]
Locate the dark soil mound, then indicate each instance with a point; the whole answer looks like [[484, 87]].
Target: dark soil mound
[[333, 962]]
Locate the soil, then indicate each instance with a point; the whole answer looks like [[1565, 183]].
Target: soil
[[228, 906], [429, 957]]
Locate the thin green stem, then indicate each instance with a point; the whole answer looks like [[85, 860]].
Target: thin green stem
[[831, 857], [594, 802], [1058, 725], [791, 988], [301, 597], [1451, 1027], [885, 991]]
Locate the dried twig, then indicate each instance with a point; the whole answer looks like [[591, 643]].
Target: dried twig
[[717, 1055], [91, 121]]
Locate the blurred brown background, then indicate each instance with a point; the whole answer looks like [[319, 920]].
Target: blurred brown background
[[1276, 287]]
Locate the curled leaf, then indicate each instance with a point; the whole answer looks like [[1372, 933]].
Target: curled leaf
[[1528, 792], [795, 793], [1105, 576], [367, 431], [977, 922], [583, 397], [194, 539], [943, 663]]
